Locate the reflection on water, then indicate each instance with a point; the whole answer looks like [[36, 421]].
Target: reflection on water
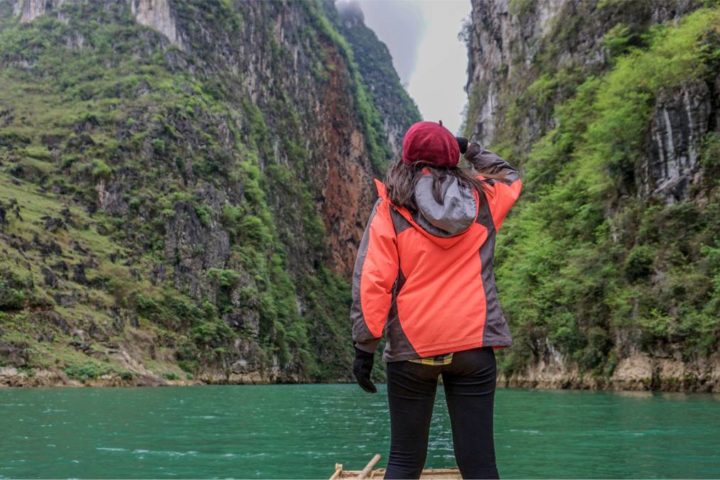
[[283, 431]]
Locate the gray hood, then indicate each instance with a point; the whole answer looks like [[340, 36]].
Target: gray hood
[[453, 215]]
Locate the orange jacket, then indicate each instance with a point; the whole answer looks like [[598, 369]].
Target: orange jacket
[[426, 278]]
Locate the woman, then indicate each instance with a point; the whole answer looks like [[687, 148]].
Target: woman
[[424, 276]]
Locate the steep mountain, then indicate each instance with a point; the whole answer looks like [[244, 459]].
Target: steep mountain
[[396, 108], [609, 266], [183, 186]]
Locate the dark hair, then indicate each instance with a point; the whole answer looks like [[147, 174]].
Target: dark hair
[[401, 179]]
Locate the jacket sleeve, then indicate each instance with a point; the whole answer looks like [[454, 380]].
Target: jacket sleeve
[[376, 269], [502, 193]]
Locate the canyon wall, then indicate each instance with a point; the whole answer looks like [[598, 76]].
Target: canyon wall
[[183, 187], [608, 265]]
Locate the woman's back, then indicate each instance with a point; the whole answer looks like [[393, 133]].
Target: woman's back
[[425, 273]]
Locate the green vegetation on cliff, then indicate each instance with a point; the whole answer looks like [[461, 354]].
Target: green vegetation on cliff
[[589, 261], [375, 65], [159, 206]]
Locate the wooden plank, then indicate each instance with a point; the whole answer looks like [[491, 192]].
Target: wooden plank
[[427, 474], [368, 468], [338, 471]]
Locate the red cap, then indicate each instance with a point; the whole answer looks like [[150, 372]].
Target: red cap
[[430, 142]]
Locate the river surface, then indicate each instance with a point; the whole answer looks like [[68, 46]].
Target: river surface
[[301, 431]]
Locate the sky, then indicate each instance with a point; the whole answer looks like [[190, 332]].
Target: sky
[[422, 36]]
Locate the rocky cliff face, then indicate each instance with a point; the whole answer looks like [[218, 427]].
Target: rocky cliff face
[[513, 42], [608, 261], [156, 14], [182, 188], [680, 121], [397, 109]]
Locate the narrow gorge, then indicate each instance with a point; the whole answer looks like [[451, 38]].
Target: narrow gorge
[[183, 187]]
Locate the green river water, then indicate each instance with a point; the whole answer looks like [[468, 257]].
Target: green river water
[[301, 431]]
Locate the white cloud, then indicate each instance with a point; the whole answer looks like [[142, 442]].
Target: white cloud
[[422, 36]]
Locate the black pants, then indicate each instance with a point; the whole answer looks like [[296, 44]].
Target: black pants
[[469, 390]]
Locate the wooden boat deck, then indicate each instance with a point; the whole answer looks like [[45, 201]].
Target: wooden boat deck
[[370, 472]]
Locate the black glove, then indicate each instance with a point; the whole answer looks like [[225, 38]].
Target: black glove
[[462, 143], [362, 367], [472, 150]]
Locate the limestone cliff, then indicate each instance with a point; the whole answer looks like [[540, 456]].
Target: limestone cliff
[[156, 14], [608, 265], [511, 43], [396, 107], [183, 187]]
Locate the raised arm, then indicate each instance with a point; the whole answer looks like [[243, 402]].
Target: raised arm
[[503, 179]]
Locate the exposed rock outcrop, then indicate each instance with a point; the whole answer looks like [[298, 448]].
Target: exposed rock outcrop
[[511, 42], [193, 245], [681, 120], [29, 10], [156, 14], [637, 372]]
